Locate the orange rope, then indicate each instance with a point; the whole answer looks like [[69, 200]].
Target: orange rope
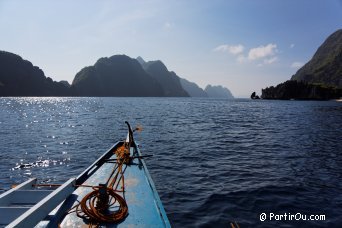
[[95, 207], [99, 214]]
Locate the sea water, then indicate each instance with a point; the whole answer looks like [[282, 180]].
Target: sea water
[[215, 161]]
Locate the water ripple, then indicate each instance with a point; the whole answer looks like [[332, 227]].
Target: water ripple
[[215, 161]]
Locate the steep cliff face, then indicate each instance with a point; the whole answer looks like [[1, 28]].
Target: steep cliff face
[[118, 75], [175, 86], [192, 88], [18, 77], [319, 79], [168, 80], [325, 67]]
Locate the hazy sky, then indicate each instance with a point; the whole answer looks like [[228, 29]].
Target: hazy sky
[[244, 45]]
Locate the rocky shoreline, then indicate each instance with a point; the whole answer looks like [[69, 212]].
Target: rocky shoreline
[[301, 91]]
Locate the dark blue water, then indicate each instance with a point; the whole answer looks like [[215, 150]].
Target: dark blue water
[[215, 161]]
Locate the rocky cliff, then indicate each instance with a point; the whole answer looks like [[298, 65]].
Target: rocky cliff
[[168, 80], [325, 67], [218, 91], [318, 79], [192, 88], [19, 77], [301, 91], [118, 75]]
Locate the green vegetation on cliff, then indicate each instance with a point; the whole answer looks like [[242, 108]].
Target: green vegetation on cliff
[[325, 67], [319, 79]]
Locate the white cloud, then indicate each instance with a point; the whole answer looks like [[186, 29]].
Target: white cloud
[[292, 45], [235, 50], [271, 60], [265, 54], [297, 64], [262, 51], [232, 49]]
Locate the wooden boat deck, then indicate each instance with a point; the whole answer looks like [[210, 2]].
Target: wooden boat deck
[[144, 206]]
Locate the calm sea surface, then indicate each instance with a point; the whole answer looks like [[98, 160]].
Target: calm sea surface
[[215, 161]]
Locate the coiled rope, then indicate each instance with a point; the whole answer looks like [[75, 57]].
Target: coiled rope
[[97, 211], [104, 204]]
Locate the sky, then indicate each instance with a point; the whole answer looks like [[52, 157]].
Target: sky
[[243, 45]]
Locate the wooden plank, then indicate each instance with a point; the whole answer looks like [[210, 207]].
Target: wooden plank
[[28, 196], [6, 196], [8, 214], [56, 215], [37, 213]]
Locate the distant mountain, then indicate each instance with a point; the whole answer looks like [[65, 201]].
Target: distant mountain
[[218, 91], [176, 86], [141, 61], [325, 67], [168, 80], [192, 88], [66, 83], [118, 75], [18, 77]]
